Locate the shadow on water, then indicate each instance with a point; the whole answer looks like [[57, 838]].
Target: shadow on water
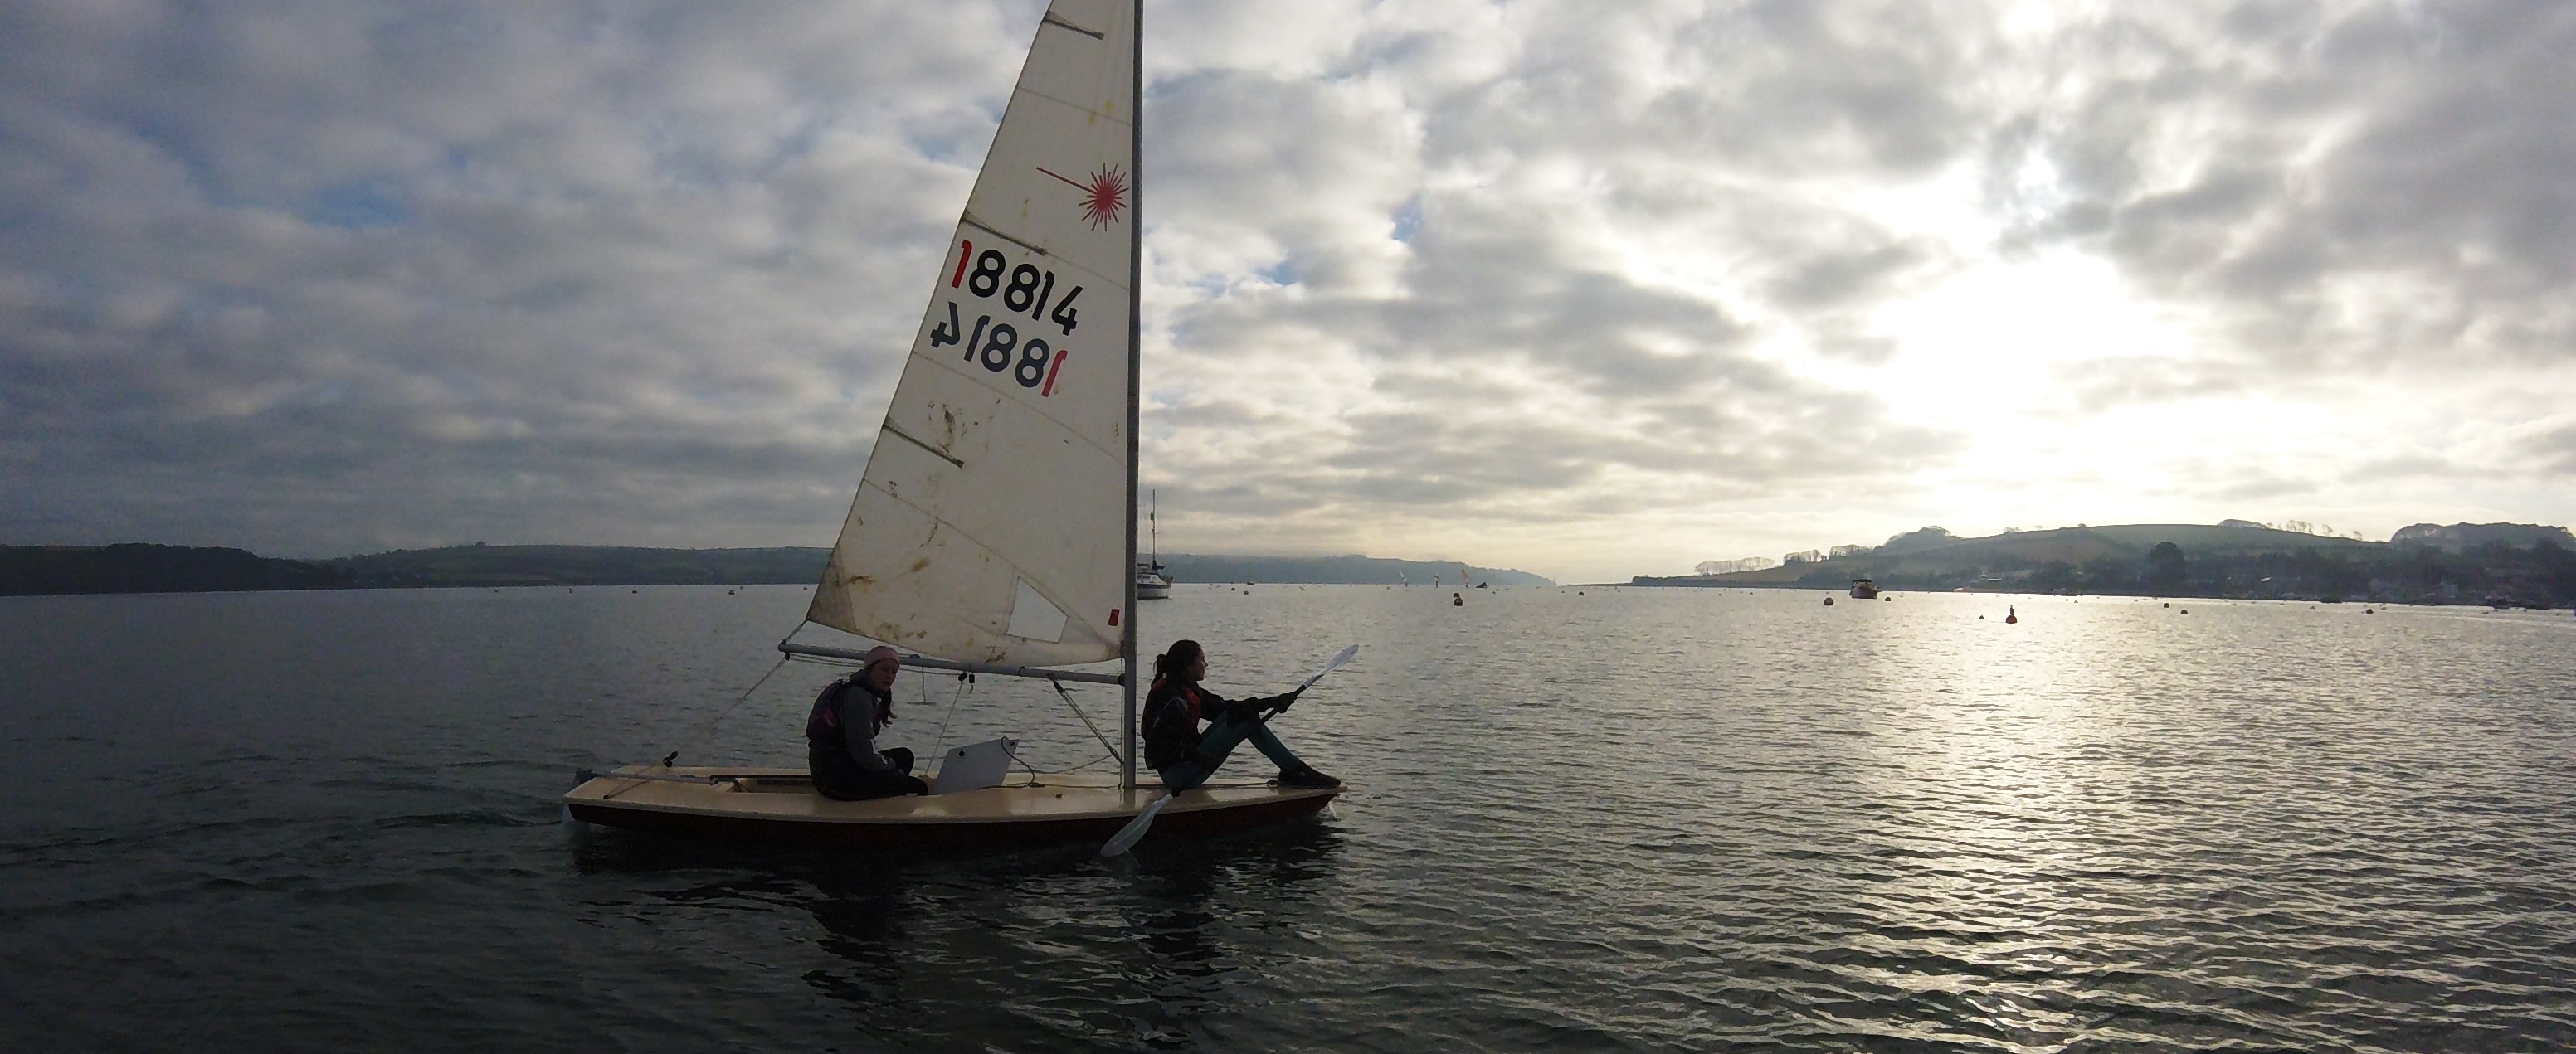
[[1156, 950], [1210, 916]]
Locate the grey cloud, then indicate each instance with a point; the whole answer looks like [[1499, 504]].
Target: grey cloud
[[378, 262], [2557, 451], [1778, 87], [1500, 282], [1486, 286], [2422, 467], [2254, 483], [2373, 184], [322, 276], [518, 267], [2095, 385], [1841, 276], [1667, 386]]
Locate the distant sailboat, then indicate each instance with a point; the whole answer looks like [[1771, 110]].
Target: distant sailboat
[[994, 529], [1151, 582]]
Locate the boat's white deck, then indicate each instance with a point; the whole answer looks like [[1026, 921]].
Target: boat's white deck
[[788, 794]]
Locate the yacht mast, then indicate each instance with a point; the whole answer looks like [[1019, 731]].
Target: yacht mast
[[1135, 385]]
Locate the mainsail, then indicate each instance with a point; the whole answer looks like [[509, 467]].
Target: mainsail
[[993, 523]]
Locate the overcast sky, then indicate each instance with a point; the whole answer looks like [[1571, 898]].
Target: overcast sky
[[1587, 289]]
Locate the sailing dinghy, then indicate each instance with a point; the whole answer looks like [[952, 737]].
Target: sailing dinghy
[[994, 530]]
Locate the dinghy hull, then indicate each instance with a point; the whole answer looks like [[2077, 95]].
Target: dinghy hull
[[780, 806]]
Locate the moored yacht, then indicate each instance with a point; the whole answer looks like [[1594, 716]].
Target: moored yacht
[[1151, 582]]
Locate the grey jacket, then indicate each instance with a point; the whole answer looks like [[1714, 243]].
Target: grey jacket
[[858, 708]]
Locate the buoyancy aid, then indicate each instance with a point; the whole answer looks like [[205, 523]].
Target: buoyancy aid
[[824, 728], [1172, 724], [823, 724]]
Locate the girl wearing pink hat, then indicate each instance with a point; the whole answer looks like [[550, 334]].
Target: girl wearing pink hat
[[840, 735]]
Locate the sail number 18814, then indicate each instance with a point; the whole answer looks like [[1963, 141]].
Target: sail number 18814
[[997, 344]]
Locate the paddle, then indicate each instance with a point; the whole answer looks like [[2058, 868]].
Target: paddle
[[1134, 832], [1346, 655]]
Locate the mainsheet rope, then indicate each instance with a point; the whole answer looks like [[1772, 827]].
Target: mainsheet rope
[[692, 739], [965, 685]]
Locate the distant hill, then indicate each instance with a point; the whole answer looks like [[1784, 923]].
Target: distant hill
[[499, 565], [2460, 537], [2518, 564], [1330, 570], [1937, 554], [582, 565], [138, 568], [134, 567], [1917, 541]]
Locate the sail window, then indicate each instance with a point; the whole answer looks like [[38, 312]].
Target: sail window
[[1033, 618]]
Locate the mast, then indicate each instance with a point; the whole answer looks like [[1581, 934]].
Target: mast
[[1135, 384]]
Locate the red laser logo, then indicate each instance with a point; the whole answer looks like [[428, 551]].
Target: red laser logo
[[1103, 198]]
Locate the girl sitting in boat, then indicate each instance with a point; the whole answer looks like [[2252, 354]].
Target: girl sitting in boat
[[840, 735], [1185, 756]]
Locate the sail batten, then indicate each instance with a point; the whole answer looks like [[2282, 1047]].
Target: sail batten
[[992, 532]]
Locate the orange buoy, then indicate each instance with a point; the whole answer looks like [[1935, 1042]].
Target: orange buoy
[[2009, 617]]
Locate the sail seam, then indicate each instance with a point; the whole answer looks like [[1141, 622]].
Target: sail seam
[[1051, 20], [970, 220], [1070, 433], [934, 451], [1076, 107]]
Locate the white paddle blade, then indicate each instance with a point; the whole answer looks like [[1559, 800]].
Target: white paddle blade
[[1134, 832], [1346, 656]]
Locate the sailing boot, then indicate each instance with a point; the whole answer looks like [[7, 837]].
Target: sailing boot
[[1305, 776]]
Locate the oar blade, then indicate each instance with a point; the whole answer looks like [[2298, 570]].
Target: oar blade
[[1134, 832], [1347, 654]]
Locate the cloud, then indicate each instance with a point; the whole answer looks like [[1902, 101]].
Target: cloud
[[1505, 263], [2556, 450], [2354, 185], [464, 270], [1547, 282]]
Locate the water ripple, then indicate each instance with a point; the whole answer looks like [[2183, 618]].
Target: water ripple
[[1630, 821]]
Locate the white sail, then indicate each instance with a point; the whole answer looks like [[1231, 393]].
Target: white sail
[[991, 524]]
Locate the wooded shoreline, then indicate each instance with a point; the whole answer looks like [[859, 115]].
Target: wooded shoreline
[[2191, 560], [145, 568]]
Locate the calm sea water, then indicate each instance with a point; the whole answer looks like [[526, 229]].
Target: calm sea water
[[1621, 820]]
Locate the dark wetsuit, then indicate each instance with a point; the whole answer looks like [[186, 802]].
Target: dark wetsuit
[[1185, 756], [840, 745]]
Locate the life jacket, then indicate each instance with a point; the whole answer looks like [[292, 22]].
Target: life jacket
[[823, 723], [1172, 726]]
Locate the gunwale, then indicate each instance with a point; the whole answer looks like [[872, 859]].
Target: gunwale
[[780, 805]]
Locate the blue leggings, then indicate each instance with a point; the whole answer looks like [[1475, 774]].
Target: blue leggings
[[1221, 737]]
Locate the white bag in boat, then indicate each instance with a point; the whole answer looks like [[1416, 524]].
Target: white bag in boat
[[974, 766]]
